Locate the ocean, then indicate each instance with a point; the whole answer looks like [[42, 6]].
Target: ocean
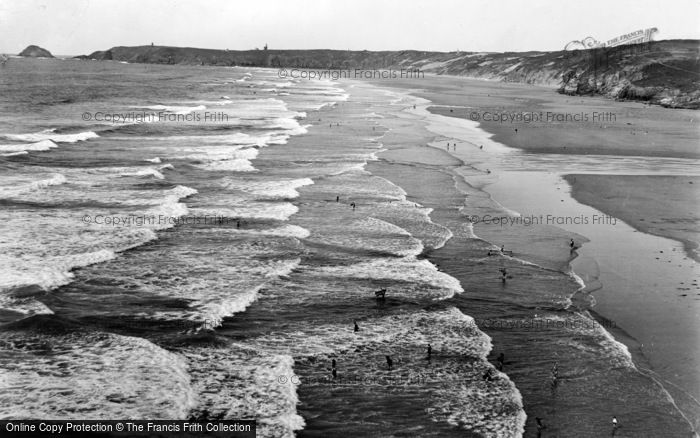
[[206, 243]]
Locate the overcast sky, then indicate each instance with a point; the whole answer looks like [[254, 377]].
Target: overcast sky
[[72, 27]]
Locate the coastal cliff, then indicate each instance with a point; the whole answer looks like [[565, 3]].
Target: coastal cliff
[[665, 73]]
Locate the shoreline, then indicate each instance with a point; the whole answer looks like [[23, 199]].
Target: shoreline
[[627, 339], [634, 200]]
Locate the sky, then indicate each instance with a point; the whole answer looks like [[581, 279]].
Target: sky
[[73, 27]]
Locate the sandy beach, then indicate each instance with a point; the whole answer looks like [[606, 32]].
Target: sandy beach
[[661, 205], [616, 289]]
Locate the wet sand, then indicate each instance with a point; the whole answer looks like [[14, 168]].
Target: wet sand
[[660, 335], [665, 206], [562, 124], [595, 126]]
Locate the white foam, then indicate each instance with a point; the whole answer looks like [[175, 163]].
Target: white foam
[[215, 310], [129, 374], [146, 171], [155, 160], [240, 383], [237, 139], [22, 187], [211, 299], [13, 154], [616, 353], [284, 189], [577, 279], [280, 211], [468, 229], [136, 171], [176, 109], [55, 180], [27, 306], [181, 191], [380, 226], [407, 269], [217, 153], [43, 145], [50, 134], [46, 272], [62, 242], [235, 165], [368, 234]]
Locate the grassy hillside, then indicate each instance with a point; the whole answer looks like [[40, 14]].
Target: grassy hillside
[[664, 72]]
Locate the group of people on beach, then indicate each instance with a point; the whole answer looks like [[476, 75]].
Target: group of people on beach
[[488, 376]]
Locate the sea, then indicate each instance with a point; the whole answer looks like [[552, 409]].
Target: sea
[[195, 242]]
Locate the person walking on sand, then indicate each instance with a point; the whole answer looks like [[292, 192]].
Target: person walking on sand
[[572, 244], [357, 327], [389, 362], [614, 425], [352, 204], [337, 199], [504, 274], [430, 351]]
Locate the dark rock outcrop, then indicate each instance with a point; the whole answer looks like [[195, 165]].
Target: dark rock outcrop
[[36, 52]]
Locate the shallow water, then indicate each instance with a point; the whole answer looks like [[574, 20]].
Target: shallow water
[[238, 257], [230, 252], [531, 316], [642, 282]]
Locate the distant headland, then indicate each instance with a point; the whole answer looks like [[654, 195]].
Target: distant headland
[[35, 52], [665, 73]]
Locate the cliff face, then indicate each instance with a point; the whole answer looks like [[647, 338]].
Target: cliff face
[[35, 52], [664, 72]]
